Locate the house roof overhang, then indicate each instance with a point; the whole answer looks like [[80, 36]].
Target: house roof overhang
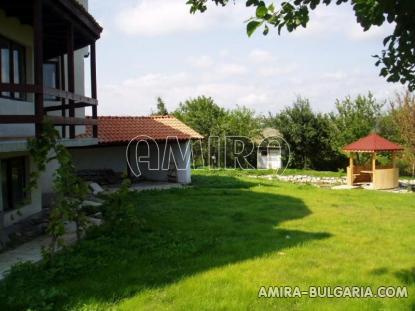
[[57, 15]]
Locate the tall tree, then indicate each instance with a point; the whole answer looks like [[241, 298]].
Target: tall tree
[[403, 112], [233, 128], [203, 115], [207, 118], [355, 118], [307, 133], [241, 126], [161, 108], [397, 60]]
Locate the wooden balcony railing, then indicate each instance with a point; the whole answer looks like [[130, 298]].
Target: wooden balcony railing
[[69, 101]]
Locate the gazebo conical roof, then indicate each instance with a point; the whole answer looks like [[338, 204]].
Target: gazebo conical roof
[[372, 143]]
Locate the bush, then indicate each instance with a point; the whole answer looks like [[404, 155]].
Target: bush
[[119, 210]]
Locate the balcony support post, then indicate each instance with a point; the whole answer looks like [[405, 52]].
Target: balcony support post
[[38, 64], [94, 87], [63, 88], [71, 75]]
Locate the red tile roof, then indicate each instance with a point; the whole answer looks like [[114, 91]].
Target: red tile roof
[[116, 130], [373, 143]]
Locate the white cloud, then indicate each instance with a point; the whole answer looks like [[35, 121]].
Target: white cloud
[[356, 32], [278, 69], [338, 75], [210, 68], [261, 56], [163, 17], [202, 62], [230, 69]]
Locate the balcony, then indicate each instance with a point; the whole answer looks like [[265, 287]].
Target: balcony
[[57, 29]]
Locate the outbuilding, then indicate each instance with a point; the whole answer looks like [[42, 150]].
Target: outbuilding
[[155, 148], [269, 151]]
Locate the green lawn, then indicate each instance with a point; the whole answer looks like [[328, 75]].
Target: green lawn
[[212, 246]]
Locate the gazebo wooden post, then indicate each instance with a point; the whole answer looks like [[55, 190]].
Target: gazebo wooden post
[[373, 167], [351, 168], [393, 160]]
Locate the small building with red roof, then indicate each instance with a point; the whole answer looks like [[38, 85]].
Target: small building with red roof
[[156, 148], [379, 176]]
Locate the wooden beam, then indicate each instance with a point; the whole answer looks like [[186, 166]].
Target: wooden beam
[[94, 94], [69, 96], [16, 119], [57, 120], [38, 61], [65, 107], [75, 13], [19, 88], [71, 74], [373, 168]]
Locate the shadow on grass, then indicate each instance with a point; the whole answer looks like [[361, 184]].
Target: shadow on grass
[[406, 275], [219, 221]]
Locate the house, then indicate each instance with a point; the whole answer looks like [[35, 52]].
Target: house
[[43, 47], [156, 148], [269, 155]]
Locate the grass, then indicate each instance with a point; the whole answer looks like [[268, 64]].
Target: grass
[[212, 246]]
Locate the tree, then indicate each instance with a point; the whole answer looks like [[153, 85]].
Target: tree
[[223, 127], [355, 118], [207, 118], [397, 60], [203, 115], [403, 112], [307, 133], [241, 126], [161, 108]]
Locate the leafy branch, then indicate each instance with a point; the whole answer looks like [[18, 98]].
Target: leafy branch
[[70, 189]]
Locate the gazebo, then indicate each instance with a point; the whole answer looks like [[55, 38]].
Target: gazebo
[[381, 177]]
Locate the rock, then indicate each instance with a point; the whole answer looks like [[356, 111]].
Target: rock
[[91, 203], [96, 188], [97, 215]]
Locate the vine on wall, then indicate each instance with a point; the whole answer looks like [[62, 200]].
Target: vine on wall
[[70, 190]]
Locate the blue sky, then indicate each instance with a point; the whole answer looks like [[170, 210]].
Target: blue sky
[[153, 48]]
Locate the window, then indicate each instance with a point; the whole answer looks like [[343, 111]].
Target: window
[[51, 76], [264, 153], [14, 182], [12, 66]]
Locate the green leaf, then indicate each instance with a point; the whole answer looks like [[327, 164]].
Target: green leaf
[[261, 11], [252, 26]]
